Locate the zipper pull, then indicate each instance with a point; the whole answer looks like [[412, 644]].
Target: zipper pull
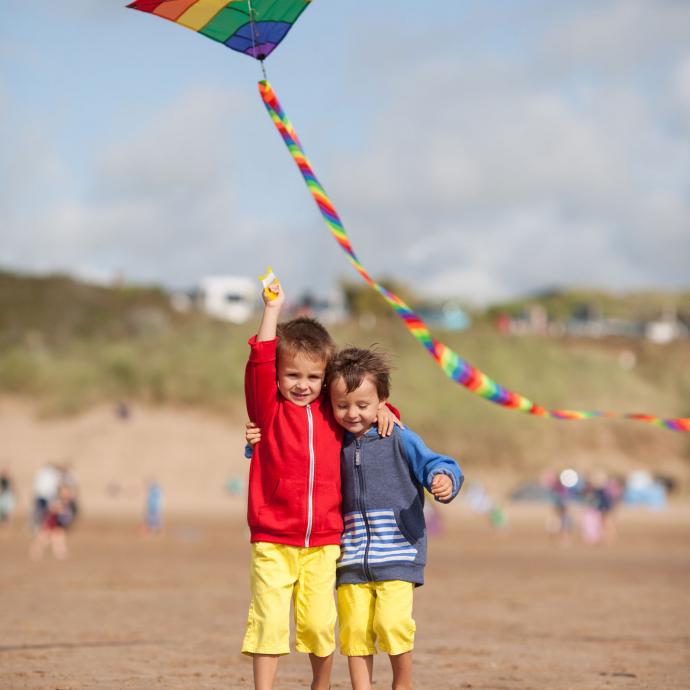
[[358, 459]]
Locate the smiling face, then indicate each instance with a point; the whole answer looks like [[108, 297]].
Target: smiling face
[[300, 377], [357, 410]]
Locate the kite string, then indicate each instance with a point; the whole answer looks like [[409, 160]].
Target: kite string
[[252, 25], [454, 366]]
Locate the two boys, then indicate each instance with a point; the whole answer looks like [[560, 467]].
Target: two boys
[[294, 510]]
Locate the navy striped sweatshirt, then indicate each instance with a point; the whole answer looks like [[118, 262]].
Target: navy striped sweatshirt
[[383, 481]]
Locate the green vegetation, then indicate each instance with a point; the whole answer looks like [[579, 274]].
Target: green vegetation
[[563, 304], [70, 346]]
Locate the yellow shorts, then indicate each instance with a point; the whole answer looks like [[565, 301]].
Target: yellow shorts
[[376, 613], [279, 574]]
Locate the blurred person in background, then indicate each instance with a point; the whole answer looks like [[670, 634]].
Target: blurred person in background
[[562, 525], [8, 500], [57, 519], [153, 518], [614, 491], [67, 479], [591, 524], [601, 495], [46, 485]]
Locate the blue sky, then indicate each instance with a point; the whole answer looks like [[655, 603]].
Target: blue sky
[[477, 149]]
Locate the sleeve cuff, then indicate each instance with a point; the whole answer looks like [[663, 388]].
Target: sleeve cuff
[[453, 479], [265, 351]]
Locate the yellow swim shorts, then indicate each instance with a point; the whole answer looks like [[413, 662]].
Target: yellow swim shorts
[[376, 613], [279, 574]]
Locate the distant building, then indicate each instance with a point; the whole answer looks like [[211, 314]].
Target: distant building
[[329, 309], [663, 332], [449, 316], [231, 298]]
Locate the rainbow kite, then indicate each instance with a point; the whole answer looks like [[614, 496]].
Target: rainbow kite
[[252, 27], [255, 27]]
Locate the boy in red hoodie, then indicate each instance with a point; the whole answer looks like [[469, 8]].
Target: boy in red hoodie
[[294, 494]]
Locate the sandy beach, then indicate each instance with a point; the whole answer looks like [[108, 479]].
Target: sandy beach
[[505, 611], [501, 610]]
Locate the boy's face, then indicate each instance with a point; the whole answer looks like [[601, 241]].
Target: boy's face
[[300, 378], [355, 411]]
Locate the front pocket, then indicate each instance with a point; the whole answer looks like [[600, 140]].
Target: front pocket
[[285, 510], [388, 543], [327, 507], [403, 530]]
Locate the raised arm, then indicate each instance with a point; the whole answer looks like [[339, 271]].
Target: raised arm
[[260, 387], [269, 319]]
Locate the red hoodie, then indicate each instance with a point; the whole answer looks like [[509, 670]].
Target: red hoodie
[[294, 479]]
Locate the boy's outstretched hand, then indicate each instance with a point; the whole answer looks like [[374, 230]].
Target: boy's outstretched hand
[[442, 487]]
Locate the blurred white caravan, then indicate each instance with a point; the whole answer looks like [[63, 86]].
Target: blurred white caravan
[[231, 298]]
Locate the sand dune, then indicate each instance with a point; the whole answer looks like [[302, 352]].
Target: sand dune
[[191, 454]]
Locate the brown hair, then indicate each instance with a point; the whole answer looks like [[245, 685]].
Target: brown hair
[[306, 336], [354, 363]]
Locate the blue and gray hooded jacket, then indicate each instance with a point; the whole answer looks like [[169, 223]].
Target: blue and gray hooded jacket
[[383, 482]]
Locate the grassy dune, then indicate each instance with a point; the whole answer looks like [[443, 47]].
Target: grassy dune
[[129, 345], [202, 365]]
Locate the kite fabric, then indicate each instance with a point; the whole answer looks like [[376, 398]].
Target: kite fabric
[[455, 367], [252, 27]]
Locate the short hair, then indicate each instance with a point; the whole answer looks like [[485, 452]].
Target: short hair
[[354, 363], [306, 336]]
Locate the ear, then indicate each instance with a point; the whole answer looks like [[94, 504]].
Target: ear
[[381, 405]]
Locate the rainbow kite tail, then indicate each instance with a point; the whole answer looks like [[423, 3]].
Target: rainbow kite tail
[[454, 366]]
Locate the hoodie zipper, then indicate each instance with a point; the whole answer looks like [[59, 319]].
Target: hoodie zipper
[[360, 479], [310, 500]]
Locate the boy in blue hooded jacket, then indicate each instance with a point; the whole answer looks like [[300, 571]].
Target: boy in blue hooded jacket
[[383, 549]]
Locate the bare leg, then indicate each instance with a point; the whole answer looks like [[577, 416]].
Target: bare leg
[[265, 669], [321, 670], [361, 671], [38, 545], [402, 671], [58, 543]]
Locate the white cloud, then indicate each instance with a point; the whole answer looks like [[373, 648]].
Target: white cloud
[[505, 177], [166, 191], [681, 84], [616, 37], [182, 150]]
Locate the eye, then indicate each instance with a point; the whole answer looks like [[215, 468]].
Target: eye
[[362, 406]]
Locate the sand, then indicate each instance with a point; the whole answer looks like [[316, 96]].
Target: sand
[[500, 611], [506, 610]]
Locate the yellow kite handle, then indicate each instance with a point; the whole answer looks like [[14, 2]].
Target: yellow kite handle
[[269, 279]]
